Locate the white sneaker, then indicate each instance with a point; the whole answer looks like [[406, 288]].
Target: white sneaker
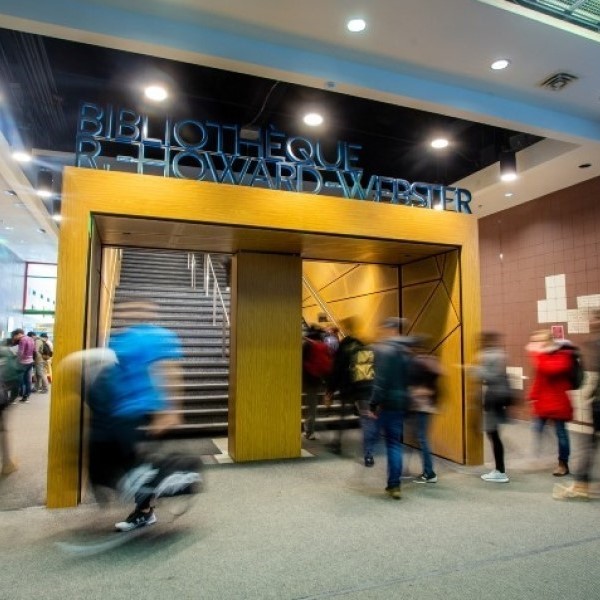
[[495, 476]]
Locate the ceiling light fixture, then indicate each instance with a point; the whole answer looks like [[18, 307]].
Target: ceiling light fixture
[[508, 195], [22, 157], [356, 25], [508, 166], [156, 92], [57, 218], [500, 64], [439, 143], [313, 119], [585, 166]]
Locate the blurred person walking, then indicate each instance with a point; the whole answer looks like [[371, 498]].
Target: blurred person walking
[[352, 375], [317, 363], [553, 364], [580, 488], [39, 370], [496, 396], [424, 374], [128, 387], [10, 378], [390, 397], [25, 350], [47, 353]]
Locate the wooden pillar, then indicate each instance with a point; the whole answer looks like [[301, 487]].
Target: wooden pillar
[[265, 365]]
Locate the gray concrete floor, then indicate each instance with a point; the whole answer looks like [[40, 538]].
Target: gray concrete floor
[[322, 528]]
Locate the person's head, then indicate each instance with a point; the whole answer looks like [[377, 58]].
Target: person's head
[[392, 327], [490, 339], [17, 334], [542, 337], [31, 334], [44, 336], [314, 332]]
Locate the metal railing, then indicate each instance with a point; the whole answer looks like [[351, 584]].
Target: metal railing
[[211, 278], [322, 305]]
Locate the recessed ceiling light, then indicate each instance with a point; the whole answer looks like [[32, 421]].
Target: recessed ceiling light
[[508, 195], [44, 193], [356, 25], [9, 228], [439, 143], [10, 192], [313, 119], [585, 166], [41, 230], [156, 92], [500, 64], [508, 176], [21, 157], [57, 218]]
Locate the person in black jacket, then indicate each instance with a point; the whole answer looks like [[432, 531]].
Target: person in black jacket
[[390, 396], [352, 376]]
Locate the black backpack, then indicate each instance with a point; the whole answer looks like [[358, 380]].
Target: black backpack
[[576, 372], [46, 351]]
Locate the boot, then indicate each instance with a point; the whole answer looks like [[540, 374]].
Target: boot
[[562, 469]]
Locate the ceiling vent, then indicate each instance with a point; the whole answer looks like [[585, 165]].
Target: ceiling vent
[[558, 81]]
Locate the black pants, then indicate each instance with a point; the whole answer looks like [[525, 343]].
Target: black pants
[[498, 448]]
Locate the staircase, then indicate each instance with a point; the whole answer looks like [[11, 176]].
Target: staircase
[[165, 278]]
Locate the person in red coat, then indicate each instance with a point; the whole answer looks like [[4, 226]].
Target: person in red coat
[[552, 364]]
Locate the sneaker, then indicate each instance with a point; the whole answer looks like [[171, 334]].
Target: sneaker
[[426, 478], [496, 477], [25, 399], [137, 519], [9, 467], [310, 436], [394, 492], [560, 492], [369, 461]]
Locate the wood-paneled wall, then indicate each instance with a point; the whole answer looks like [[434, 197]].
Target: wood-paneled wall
[[432, 301], [367, 292], [89, 192], [266, 357]]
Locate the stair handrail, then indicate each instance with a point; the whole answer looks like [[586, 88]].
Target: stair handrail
[[191, 260], [216, 290], [323, 305]]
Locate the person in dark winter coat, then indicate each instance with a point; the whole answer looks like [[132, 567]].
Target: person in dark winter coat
[[352, 375], [390, 396]]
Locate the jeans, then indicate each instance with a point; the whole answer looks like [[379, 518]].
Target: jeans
[[422, 427], [370, 429], [26, 381], [390, 423], [41, 381], [561, 433]]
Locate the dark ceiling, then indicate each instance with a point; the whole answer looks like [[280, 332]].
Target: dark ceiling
[[44, 81]]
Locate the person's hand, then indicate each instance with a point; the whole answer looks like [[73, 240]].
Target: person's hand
[[163, 421], [372, 415]]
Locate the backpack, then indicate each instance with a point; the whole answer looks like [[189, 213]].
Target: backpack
[[46, 352], [576, 373], [103, 392], [362, 359], [318, 361]]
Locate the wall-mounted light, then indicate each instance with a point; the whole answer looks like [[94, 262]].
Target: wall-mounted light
[[44, 183], [508, 166]]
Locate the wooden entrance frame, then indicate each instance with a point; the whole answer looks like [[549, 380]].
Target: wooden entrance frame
[[87, 193]]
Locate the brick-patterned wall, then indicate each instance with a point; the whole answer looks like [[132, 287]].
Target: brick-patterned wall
[[519, 247]]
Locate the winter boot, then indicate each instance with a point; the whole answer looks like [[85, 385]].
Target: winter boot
[[562, 469]]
